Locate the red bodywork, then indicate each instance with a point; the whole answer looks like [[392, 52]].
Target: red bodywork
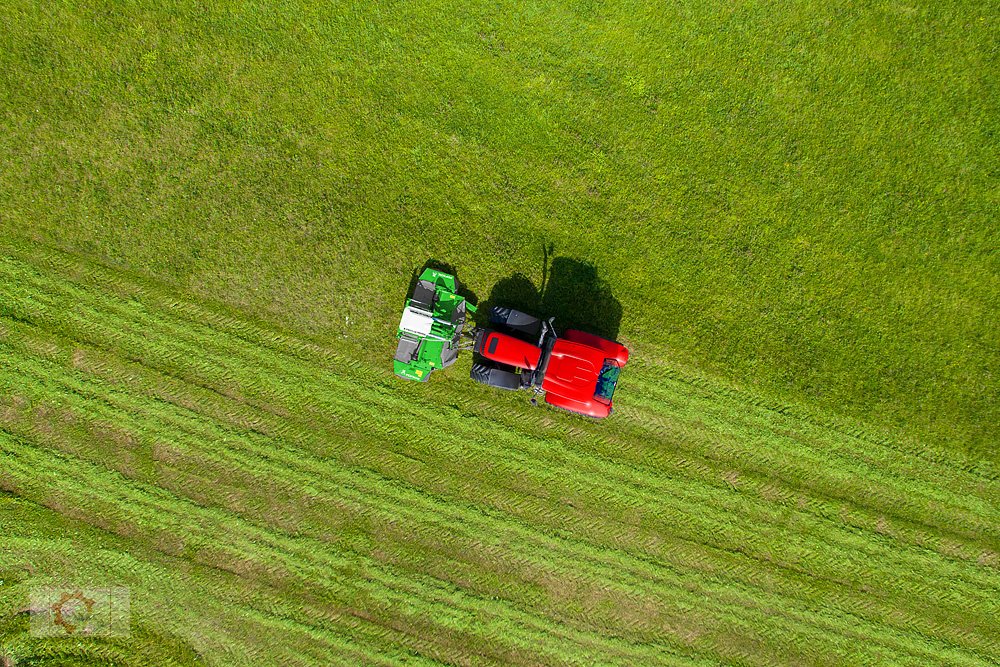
[[511, 351], [612, 350], [571, 368]]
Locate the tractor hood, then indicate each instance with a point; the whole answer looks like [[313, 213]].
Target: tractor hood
[[572, 370]]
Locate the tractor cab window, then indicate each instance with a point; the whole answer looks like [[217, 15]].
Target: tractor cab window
[[607, 380]]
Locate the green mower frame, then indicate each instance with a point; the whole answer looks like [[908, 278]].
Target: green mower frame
[[430, 331]]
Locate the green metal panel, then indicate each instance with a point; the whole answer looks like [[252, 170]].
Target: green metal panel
[[444, 332]]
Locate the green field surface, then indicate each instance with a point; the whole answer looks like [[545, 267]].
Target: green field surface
[[210, 214]]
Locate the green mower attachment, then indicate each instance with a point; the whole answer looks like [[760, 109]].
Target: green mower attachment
[[430, 331]]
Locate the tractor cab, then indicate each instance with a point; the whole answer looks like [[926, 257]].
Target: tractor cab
[[577, 371]]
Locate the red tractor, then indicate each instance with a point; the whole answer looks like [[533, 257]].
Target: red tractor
[[577, 371]]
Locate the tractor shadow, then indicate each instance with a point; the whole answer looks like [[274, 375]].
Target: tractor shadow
[[571, 291], [463, 291]]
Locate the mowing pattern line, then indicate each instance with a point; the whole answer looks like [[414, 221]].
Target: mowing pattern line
[[381, 522]]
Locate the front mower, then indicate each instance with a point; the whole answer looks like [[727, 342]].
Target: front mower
[[430, 330]]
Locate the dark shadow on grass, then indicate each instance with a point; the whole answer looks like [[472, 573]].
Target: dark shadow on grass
[[517, 291], [579, 299], [572, 292]]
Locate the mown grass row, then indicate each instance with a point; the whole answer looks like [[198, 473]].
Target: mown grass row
[[172, 610], [301, 390], [344, 576], [830, 480], [390, 518], [759, 453], [937, 473]]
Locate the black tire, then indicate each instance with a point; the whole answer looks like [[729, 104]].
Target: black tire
[[493, 376], [524, 326], [480, 373]]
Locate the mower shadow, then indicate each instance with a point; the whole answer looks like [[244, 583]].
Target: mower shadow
[[463, 291], [573, 293]]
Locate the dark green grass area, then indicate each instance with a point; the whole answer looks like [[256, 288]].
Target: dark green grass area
[[209, 217], [798, 196]]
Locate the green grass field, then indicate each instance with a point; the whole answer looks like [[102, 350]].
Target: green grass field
[[210, 215]]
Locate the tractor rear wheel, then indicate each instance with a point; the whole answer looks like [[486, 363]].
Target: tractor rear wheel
[[493, 376], [522, 325]]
